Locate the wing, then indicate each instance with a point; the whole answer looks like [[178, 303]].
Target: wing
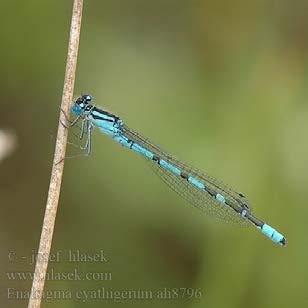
[[197, 197]]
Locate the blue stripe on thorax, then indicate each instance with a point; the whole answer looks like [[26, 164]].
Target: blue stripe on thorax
[[105, 126], [96, 113]]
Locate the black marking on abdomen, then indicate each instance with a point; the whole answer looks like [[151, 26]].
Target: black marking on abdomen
[[156, 158], [236, 209], [212, 193], [131, 143], [184, 175], [255, 220]]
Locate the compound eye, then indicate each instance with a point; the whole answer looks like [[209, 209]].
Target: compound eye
[[88, 98]]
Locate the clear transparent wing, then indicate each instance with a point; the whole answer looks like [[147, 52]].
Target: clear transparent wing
[[199, 198]]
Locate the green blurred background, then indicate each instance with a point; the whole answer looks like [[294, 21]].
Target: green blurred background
[[219, 84]]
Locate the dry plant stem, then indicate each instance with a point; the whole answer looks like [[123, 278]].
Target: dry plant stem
[[57, 169]]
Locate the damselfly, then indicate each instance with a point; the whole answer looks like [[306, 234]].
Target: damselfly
[[200, 189]]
